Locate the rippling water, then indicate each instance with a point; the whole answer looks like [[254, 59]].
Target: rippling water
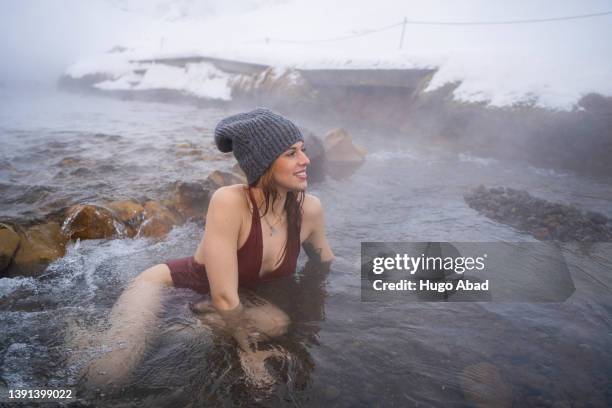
[[60, 149]]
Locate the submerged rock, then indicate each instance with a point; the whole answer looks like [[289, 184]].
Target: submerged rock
[[39, 245], [542, 219], [87, 221], [9, 243]]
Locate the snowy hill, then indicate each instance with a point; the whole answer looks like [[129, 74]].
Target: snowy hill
[[496, 50]]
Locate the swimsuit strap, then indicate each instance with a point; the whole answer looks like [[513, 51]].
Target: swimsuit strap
[[255, 240]]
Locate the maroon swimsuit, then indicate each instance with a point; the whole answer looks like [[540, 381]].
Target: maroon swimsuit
[[187, 273]]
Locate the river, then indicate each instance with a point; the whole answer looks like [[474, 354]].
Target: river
[[59, 149]]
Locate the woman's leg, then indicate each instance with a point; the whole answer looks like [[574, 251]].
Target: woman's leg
[[269, 321], [132, 320]]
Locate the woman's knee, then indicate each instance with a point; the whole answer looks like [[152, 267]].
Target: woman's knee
[[159, 274], [270, 320]]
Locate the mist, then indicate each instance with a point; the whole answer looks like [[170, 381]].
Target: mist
[[41, 38]]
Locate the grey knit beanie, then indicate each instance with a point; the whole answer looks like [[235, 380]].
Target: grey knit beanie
[[257, 138]]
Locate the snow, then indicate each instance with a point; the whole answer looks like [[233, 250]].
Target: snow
[[113, 65], [550, 64], [199, 79]]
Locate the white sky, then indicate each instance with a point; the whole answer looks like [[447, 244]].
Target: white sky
[[40, 38]]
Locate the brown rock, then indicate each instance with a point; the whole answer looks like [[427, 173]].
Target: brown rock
[[130, 213], [343, 157], [218, 179], [191, 200], [158, 220], [40, 245], [483, 386], [271, 84], [127, 210], [9, 243], [86, 221], [339, 147]]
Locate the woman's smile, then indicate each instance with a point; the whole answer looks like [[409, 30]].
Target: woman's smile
[[301, 174]]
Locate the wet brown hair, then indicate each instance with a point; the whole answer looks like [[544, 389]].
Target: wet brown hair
[[293, 207]]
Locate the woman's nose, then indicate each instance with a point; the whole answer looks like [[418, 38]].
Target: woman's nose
[[304, 160]]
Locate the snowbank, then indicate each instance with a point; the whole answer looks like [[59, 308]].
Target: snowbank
[[547, 64]]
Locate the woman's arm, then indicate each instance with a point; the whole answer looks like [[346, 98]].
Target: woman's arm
[[218, 248], [316, 246], [218, 251]]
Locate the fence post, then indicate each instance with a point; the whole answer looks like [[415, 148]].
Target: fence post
[[403, 31]]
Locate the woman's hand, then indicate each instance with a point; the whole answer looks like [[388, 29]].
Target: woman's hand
[[254, 320]]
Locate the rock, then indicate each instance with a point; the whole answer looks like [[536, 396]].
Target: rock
[[218, 179], [39, 245], [343, 157], [128, 212], [542, 219], [315, 150], [339, 147], [9, 243], [158, 220], [191, 200], [87, 221], [271, 85], [483, 386], [597, 218]]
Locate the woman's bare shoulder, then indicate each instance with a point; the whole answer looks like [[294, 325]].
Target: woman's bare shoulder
[[312, 206], [232, 196]]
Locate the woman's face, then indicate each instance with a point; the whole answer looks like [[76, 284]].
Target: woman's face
[[289, 169]]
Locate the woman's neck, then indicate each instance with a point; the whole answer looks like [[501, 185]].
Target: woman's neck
[[279, 204]]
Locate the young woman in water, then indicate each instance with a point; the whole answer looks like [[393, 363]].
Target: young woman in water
[[253, 235]]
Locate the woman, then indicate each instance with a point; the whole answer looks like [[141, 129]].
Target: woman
[[238, 249]]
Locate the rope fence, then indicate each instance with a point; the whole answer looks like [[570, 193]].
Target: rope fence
[[406, 22]]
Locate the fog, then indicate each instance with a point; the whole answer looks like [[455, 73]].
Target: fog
[[41, 37]]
